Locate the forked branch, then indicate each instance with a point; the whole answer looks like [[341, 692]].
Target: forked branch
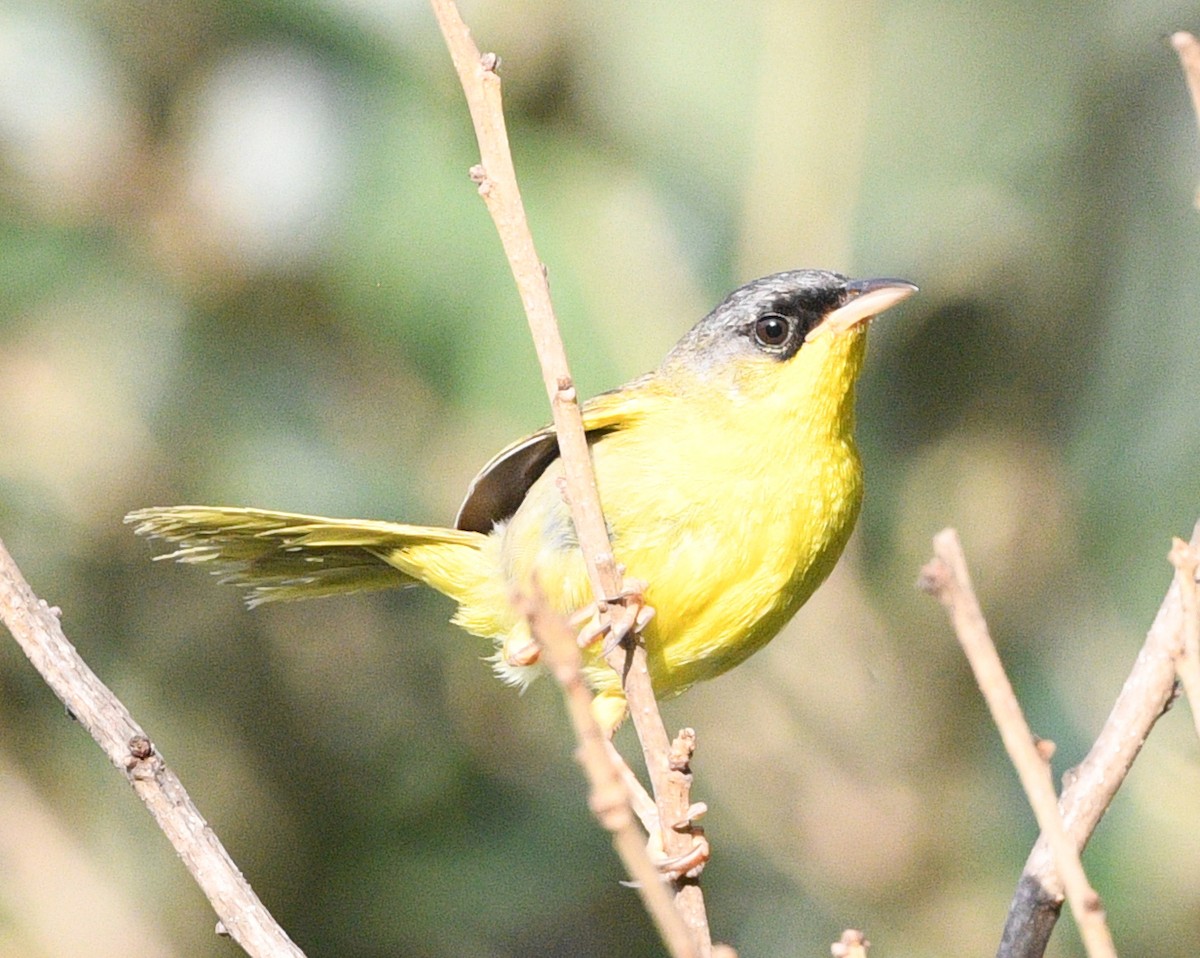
[[946, 577], [1093, 784]]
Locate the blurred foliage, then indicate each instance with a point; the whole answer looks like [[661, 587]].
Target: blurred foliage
[[241, 262]]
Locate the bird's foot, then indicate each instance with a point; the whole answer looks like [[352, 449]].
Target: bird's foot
[[520, 650], [590, 622], [687, 864]]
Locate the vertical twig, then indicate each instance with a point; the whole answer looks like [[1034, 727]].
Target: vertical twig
[[947, 578], [497, 182], [37, 630], [498, 187]]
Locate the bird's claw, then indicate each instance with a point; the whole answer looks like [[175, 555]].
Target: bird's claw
[[592, 627], [518, 652], [690, 863], [589, 620]]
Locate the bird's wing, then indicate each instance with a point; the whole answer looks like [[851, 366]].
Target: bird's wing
[[501, 485]]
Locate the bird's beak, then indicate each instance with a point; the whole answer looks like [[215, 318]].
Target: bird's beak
[[865, 298]]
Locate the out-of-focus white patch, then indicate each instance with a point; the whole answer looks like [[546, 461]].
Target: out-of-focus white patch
[[266, 160], [64, 120], [385, 15]]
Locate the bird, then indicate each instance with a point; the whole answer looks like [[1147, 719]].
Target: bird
[[729, 479]]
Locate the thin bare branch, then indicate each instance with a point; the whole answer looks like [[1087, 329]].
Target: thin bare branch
[[948, 578], [609, 798], [1144, 697], [1188, 48], [498, 187], [1187, 651], [497, 182], [38, 631]]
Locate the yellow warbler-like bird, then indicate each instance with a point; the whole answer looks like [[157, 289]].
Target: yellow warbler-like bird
[[728, 476]]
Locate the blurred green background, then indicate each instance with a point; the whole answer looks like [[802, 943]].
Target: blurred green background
[[242, 263]]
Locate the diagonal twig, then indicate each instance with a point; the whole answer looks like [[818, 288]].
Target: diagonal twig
[[947, 578], [38, 631], [1187, 651]]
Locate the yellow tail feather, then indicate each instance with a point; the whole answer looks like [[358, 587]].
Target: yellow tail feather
[[282, 556]]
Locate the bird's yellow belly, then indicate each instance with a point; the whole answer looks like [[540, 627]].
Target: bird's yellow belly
[[725, 580], [729, 547]]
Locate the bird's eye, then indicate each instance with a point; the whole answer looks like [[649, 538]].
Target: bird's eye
[[772, 330]]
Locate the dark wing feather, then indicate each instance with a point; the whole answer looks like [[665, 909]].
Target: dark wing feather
[[500, 488]]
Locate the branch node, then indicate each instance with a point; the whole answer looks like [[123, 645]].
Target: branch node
[[933, 578], [1045, 748], [490, 63], [1183, 557], [1185, 651], [682, 750], [566, 390], [140, 748], [479, 176]]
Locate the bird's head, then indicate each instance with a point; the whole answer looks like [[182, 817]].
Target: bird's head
[[792, 341]]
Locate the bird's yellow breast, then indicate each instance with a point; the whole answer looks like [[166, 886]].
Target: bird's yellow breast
[[732, 499]]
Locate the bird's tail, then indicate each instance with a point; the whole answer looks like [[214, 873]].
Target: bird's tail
[[281, 555]]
